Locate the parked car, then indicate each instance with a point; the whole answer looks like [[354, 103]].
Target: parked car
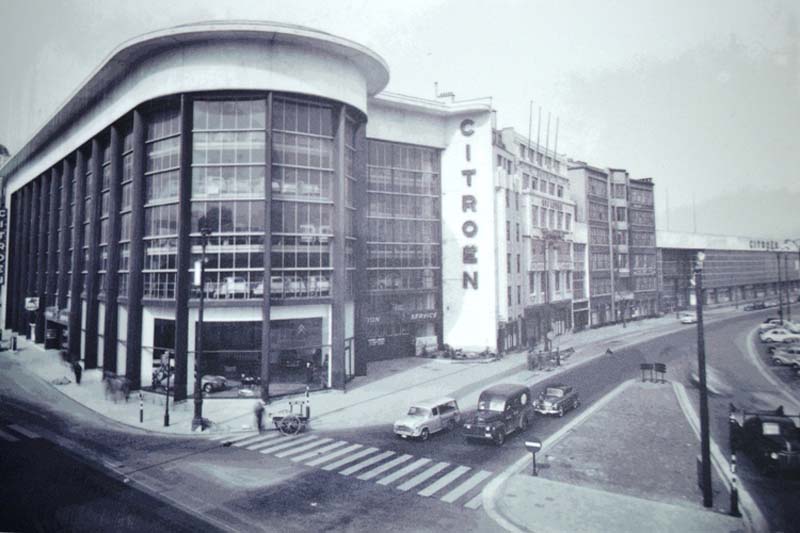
[[779, 335], [426, 418], [688, 318], [788, 355], [772, 348], [770, 438], [211, 383], [752, 306], [232, 287], [556, 400], [769, 323], [502, 409]]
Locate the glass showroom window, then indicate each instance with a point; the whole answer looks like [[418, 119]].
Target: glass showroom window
[[105, 200], [125, 210], [302, 199], [228, 157], [162, 162], [87, 216], [73, 185]]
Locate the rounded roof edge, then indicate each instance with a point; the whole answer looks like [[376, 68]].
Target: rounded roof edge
[[117, 63]]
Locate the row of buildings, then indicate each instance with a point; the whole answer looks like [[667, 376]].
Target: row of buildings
[[341, 223]]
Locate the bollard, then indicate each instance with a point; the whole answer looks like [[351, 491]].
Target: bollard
[[308, 405], [141, 408], [734, 511]]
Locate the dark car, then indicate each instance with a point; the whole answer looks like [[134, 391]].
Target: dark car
[[502, 409], [769, 438], [752, 306], [556, 399]]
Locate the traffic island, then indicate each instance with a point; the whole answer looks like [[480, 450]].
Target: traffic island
[[629, 466]]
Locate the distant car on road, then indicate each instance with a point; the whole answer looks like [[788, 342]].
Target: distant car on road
[[426, 418], [688, 318], [779, 335], [211, 383], [556, 400], [502, 409], [770, 439], [752, 306]]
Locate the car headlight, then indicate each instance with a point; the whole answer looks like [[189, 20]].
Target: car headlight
[[773, 455]]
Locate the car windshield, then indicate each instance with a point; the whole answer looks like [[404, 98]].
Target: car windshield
[[552, 391], [492, 404], [417, 411], [771, 428]]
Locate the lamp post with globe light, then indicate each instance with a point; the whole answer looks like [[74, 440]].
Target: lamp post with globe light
[[705, 444]]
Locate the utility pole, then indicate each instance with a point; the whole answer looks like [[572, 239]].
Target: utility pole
[[197, 420], [780, 290], [705, 447]]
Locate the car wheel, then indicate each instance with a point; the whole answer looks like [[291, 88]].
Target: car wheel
[[208, 388], [500, 438], [425, 435], [775, 361]]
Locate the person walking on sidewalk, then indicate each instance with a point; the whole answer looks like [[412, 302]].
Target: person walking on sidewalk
[[258, 410], [78, 370]]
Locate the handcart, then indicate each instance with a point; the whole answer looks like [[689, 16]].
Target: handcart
[[292, 422]]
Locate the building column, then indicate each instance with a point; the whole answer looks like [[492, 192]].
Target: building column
[[63, 254], [112, 274], [339, 285], [265, 302], [184, 259], [361, 200], [52, 239], [133, 355], [41, 256], [76, 287], [90, 350], [15, 303]]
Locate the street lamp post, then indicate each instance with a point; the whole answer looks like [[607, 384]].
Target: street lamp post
[[780, 289], [197, 420], [705, 449]]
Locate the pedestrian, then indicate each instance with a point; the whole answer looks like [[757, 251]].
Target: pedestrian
[[258, 410], [309, 372], [78, 370]]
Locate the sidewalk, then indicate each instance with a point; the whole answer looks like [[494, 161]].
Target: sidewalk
[[377, 398], [628, 467]]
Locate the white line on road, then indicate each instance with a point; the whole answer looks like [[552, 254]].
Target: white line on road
[[444, 481], [419, 463], [375, 472], [424, 476], [28, 433], [475, 502], [466, 486], [268, 441], [334, 455], [284, 445], [319, 451], [253, 440], [303, 448], [238, 438], [364, 464], [8, 437], [349, 459]]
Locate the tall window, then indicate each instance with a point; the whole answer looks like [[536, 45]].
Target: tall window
[[162, 162], [125, 210], [105, 200], [87, 216]]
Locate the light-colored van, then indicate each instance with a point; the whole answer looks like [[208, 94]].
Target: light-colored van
[[426, 418]]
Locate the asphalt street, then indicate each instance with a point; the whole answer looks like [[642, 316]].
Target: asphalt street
[[272, 486]]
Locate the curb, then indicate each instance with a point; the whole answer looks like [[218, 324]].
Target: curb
[[765, 371], [753, 517], [492, 490]]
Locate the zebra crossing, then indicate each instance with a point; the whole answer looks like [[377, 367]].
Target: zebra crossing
[[15, 433], [450, 483]]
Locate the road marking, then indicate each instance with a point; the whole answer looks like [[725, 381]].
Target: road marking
[[444, 481], [466, 486], [268, 441], [334, 455], [349, 459], [319, 451], [419, 478], [419, 463], [303, 448], [8, 437], [253, 440], [28, 433], [368, 462], [475, 502], [240, 437], [384, 467], [285, 445]]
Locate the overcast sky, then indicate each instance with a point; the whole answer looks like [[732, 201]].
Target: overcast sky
[[702, 96]]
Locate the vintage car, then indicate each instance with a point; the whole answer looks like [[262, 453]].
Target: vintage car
[[502, 409], [779, 335], [787, 355], [752, 306], [770, 438], [211, 383], [769, 323], [556, 400], [426, 418], [688, 318]]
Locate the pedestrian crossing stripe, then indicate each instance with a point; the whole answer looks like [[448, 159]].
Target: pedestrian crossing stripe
[[8, 437], [302, 448], [333, 455], [424, 476], [28, 433], [239, 437], [349, 459], [369, 463], [364, 464]]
